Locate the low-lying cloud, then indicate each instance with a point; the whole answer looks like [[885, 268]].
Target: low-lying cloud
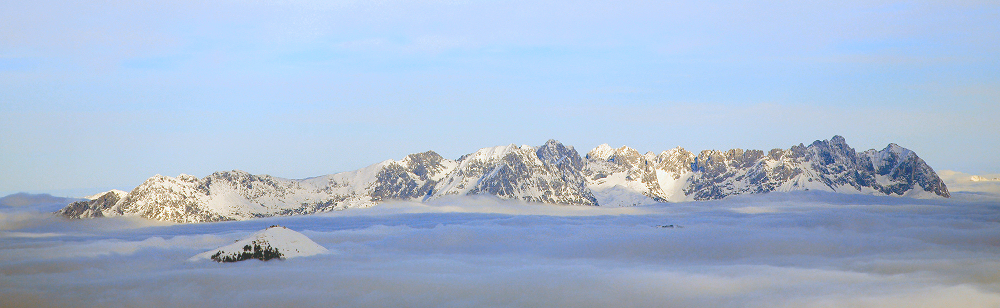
[[803, 250]]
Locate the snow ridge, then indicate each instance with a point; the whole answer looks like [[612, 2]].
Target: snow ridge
[[551, 173]]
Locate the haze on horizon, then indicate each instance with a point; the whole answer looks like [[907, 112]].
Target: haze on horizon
[[104, 95]]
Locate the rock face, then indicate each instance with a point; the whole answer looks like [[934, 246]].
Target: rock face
[[94, 207], [275, 242], [829, 165], [551, 173]]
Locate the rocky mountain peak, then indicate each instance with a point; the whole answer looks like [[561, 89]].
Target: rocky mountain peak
[[833, 151], [490, 153], [624, 156], [187, 178], [601, 152], [425, 165], [903, 171], [676, 160], [93, 207], [549, 174], [626, 151], [839, 140], [428, 158], [555, 153], [899, 151]]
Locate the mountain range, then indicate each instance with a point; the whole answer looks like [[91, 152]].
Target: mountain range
[[552, 173]]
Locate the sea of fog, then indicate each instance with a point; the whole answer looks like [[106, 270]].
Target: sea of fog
[[803, 249]]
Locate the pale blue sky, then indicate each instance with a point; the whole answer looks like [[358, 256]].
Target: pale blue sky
[[103, 95]]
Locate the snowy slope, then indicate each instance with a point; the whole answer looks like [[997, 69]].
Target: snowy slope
[[274, 242], [623, 177]]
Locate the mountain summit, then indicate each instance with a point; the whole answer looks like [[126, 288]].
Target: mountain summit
[[551, 173]]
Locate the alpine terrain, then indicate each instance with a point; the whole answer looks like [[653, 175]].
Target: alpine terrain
[[551, 173]]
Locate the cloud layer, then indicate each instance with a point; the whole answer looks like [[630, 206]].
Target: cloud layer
[[784, 250]]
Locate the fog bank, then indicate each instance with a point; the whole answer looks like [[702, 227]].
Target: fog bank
[[784, 250]]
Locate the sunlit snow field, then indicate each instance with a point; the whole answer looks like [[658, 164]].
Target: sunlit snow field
[[804, 249]]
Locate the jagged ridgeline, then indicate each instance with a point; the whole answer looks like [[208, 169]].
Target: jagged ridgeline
[[551, 173]]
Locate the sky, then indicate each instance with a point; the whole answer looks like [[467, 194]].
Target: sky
[[97, 95]]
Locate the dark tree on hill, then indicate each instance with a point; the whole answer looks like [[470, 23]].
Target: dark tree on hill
[[256, 251]]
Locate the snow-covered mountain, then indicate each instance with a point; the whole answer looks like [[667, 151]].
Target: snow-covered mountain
[[552, 173], [828, 165], [94, 205], [275, 242]]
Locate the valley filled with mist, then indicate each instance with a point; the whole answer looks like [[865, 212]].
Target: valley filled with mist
[[799, 249]]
